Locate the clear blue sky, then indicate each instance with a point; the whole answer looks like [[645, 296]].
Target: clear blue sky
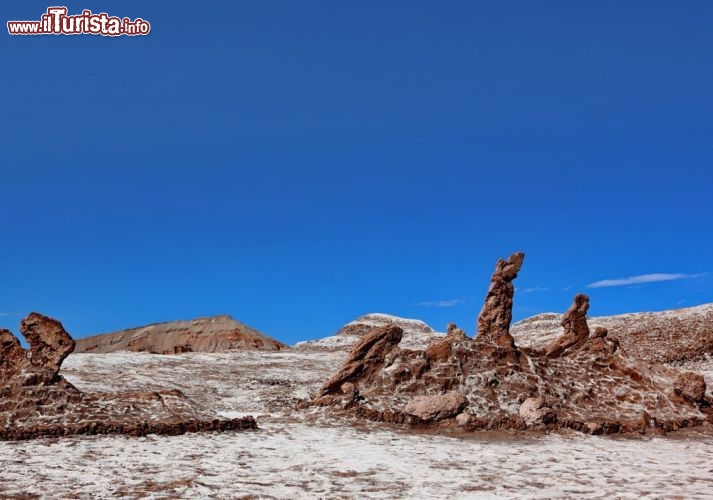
[[298, 163]]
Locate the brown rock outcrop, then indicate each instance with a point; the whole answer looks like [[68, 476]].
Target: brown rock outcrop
[[49, 342], [12, 355], [366, 358], [576, 330], [35, 401], [495, 317], [453, 332], [690, 385], [676, 336], [581, 383]]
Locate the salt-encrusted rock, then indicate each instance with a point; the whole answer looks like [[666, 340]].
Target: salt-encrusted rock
[[599, 333], [495, 317], [576, 331], [535, 411], [453, 332], [586, 384], [49, 342], [35, 401], [366, 358], [463, 419], [12, 355], [436, 407], [690, 385]]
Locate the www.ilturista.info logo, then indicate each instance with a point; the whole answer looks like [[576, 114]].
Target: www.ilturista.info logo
[[57, 22]]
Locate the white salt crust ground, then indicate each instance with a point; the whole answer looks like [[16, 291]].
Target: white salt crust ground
[[312, 455]]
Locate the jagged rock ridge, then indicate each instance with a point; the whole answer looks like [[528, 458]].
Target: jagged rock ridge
[[580, 381], [36, 401], [211, 334]]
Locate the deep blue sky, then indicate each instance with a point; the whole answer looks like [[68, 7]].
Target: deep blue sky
[[297, 164]]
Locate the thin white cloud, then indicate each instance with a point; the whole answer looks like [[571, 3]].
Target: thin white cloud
[[2, 315], [642, 279], [441, 303], [536, 289], [567, 288]]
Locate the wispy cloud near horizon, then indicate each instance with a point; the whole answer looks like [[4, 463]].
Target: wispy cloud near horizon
[[642, 279], [536, 289], [441, 303]]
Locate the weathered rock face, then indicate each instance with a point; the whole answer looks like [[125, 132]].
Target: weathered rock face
[[576, 330], [453, 332], [29, 381], [691, 385], [586, 384], [49, 343], [496, 315], [675, 336], [366, 358], [12, 355], [36, 401]]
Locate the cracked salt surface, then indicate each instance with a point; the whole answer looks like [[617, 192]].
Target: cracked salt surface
[[309, 454], [299, 460]]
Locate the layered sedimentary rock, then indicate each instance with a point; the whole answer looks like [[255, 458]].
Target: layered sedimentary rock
[[212, 334], [584, 382], [495, 317], [36, 401]]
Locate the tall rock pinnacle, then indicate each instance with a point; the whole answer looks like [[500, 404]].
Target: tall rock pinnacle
[[496, 315]]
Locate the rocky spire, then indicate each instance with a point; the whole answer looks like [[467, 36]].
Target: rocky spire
[[576, 330], [496, 315]]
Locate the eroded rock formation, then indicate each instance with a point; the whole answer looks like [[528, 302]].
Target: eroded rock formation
[[675, 337], [453, 332], [36, 401], [49, 343], [583, 382], [366, 358], [495, 317], [576, 330]]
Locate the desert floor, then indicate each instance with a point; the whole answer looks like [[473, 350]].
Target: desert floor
[[309, 454]]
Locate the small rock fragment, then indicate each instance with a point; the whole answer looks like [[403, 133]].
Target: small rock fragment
[[535, 411], [438, 407], [690, 385]]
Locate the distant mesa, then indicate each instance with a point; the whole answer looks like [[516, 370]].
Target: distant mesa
[[581, 378], [210, 334], [36, 401]]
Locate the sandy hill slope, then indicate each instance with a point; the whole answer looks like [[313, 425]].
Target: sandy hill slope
[[674, 336], [211, 334], [416, 332]]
